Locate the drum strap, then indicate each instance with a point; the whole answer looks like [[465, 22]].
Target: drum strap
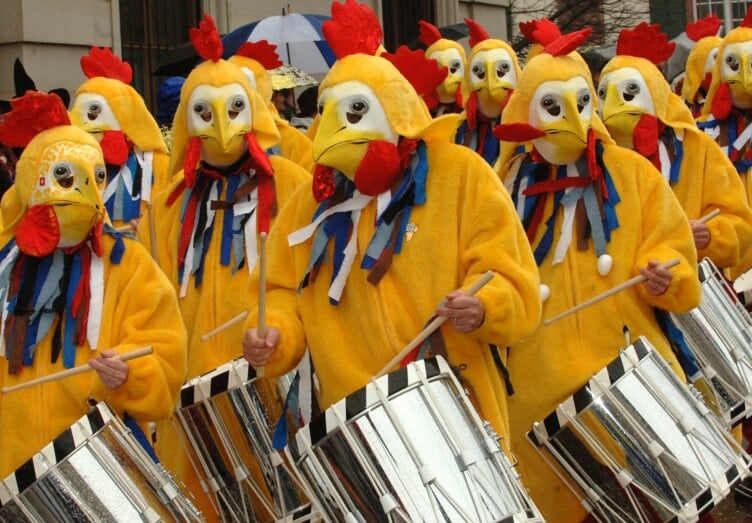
[[502, 368], [140, 436]]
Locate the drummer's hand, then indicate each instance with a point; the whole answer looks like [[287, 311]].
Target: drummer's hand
[[700, 233], [464, 311], [257, 350], [113, 372], [657, 278]]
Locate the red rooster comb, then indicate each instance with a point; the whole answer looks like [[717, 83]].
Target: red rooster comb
[[542, 31], [645, 41], [423, 73], [747, 22], [477, 33], [353, 28], [263, 52], [567, 43], [101, 62], [707, 26], [206, 39], [428, 33], [31, 114]]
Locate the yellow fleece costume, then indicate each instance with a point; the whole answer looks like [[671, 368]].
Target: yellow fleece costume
[[206, 221], [641, 113], [53, 219], [255, 58], [355, 302], [107, 107], [575, 171], [700, 61], [447, 98]]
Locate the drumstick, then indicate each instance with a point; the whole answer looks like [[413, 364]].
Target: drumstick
[[261, 327], [144, 351], [431, 327], [602, 296], [226, 325], [712, 214]]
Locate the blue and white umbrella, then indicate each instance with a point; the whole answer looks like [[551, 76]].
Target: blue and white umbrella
[[298, 37]]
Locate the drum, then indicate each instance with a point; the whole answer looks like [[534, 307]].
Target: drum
[[94, 471], [409, 447], [719, 334], [226, 420], [636, 444]]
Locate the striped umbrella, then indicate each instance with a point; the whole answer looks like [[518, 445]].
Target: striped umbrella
[[298, 37]]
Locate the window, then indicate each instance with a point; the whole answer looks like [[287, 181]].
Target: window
[[401, 21], [149, 28], [706, 7]]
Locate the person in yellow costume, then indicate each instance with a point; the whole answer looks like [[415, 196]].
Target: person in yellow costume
[[109, 108], [699, 67], [387, 171], [447, 97], [491, 73], [641, 113], [98, 294], [206, 223], [256, 59], [596, 215]]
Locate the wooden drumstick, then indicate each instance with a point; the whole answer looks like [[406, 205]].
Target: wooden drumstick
[[431, 327], [261, 327], [226, 325], [712, 214], [602, 296], [144, 351]]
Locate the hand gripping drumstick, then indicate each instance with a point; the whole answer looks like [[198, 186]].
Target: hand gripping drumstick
[[144, 351], [431, 327], [602, 296]]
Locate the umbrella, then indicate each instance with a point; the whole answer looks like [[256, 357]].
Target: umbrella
[[289, 76], [298, 37]]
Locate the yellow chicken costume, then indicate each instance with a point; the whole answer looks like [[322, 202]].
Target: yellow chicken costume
[[107, 107], [397, 217], [491, 73], [71, 292], [255, 59], [447, 97], [699, 67], [227, 190], [596, 215], [641, 113]]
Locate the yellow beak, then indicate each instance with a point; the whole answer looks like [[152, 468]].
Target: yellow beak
[[223, 143]]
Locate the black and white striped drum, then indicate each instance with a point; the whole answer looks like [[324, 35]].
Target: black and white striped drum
[[409, 447], [226, 420], [719, 334], [636, 444], [94, 471]]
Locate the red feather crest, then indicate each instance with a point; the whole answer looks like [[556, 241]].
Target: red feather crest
[[477, 33], [645, 41], [542, 31], [423, 73], [206, 39], [747, 22], [31, 114], [707, 26], [263, 52], [567, 43], [353, 28], [428, 33], [101, 62]]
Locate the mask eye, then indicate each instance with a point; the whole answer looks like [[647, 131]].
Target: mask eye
[[479, 71], [631, 90], [732, 62], [454, 66], [63, 175], [358, 108], [93, 111], [602, 92], [100, 175], [203, 110], [583, 100], [551, 106], [502, 68], [236, 106]]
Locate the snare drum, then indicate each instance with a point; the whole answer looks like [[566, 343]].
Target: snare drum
[[636, 444], [719, 334], [409, 447], [226, 419], [94, 471]]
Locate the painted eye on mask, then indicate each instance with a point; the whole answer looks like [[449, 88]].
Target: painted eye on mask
[[203, 110], [93, 111], [602, 92], [551, 106], [732, 61], [631, 90], [100, 175], [583, 100], [454, 66], [236, 106], [357, 109], [63, 175], [479, 71], [502, 68]]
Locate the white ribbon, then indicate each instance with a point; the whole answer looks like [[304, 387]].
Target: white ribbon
[[96, 300], [567, 225]]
